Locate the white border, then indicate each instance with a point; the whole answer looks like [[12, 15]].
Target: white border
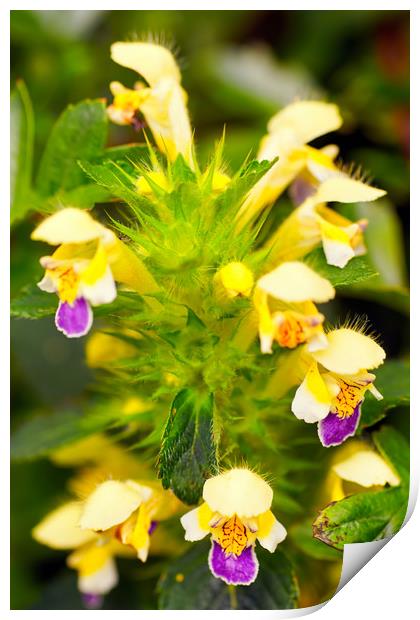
[[388, 585]]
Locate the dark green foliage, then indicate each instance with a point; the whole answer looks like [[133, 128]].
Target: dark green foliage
[[189, 584], [188, 450]]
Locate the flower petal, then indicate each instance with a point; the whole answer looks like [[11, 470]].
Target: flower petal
[[296, 282], [69, 226], [151, 61], [60, 528], [333, 430], [74, 320], [336, 242], [111, 503], [233, 569], [366, 468], [349, 352], [47, 284], [307, 119], [270, 531], [196, 522], [102, 291], [312, 401], [341, 188], [100, 582], [238, 491]]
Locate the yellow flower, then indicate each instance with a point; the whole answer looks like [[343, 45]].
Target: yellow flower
[[236, 513], [129, 508], [162, 101], [313, 223], [103, 349], [355, 468], [116, 518], [294, 287], [84, 268], [335, 384], [93, 555], [288, 132]]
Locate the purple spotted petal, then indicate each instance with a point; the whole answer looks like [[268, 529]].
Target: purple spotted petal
[[333, 430], [75, 319], [92, 601], [237, 570]]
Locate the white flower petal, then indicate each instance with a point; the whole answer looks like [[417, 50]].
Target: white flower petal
[[312, 401], [100, 582], [275, 536], [103, 291]]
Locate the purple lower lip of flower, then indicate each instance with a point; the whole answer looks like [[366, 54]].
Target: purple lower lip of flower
[[74, 320], [152, 527], [237, 570], [92, 601], [333, 430]]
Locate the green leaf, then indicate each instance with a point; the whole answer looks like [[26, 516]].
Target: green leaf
[[188, 451], [82, 197], [302, 536], [393, 382], [356, 270], [385, 244], [189, 584], [40, 435], [32, 303], [395, 449], [116, 180], [362, 518], [79, 134], [21, 151], [181, 172]]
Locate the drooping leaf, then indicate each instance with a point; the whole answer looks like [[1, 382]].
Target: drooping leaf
[[40, 435], [21, 151], [393, 382], [79, 134], [188, 451], [189, 584], [356, 270], [363, 517]]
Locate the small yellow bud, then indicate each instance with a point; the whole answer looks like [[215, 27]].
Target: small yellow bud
[[237, 279]]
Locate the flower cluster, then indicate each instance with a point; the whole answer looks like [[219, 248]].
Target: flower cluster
[[270, 286]]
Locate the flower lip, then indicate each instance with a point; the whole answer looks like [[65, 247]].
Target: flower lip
[[151, 61], [296, 282], [238, 491], [70, 225], [349, 352]]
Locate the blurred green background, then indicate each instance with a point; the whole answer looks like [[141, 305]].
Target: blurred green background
[[239, 67]]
